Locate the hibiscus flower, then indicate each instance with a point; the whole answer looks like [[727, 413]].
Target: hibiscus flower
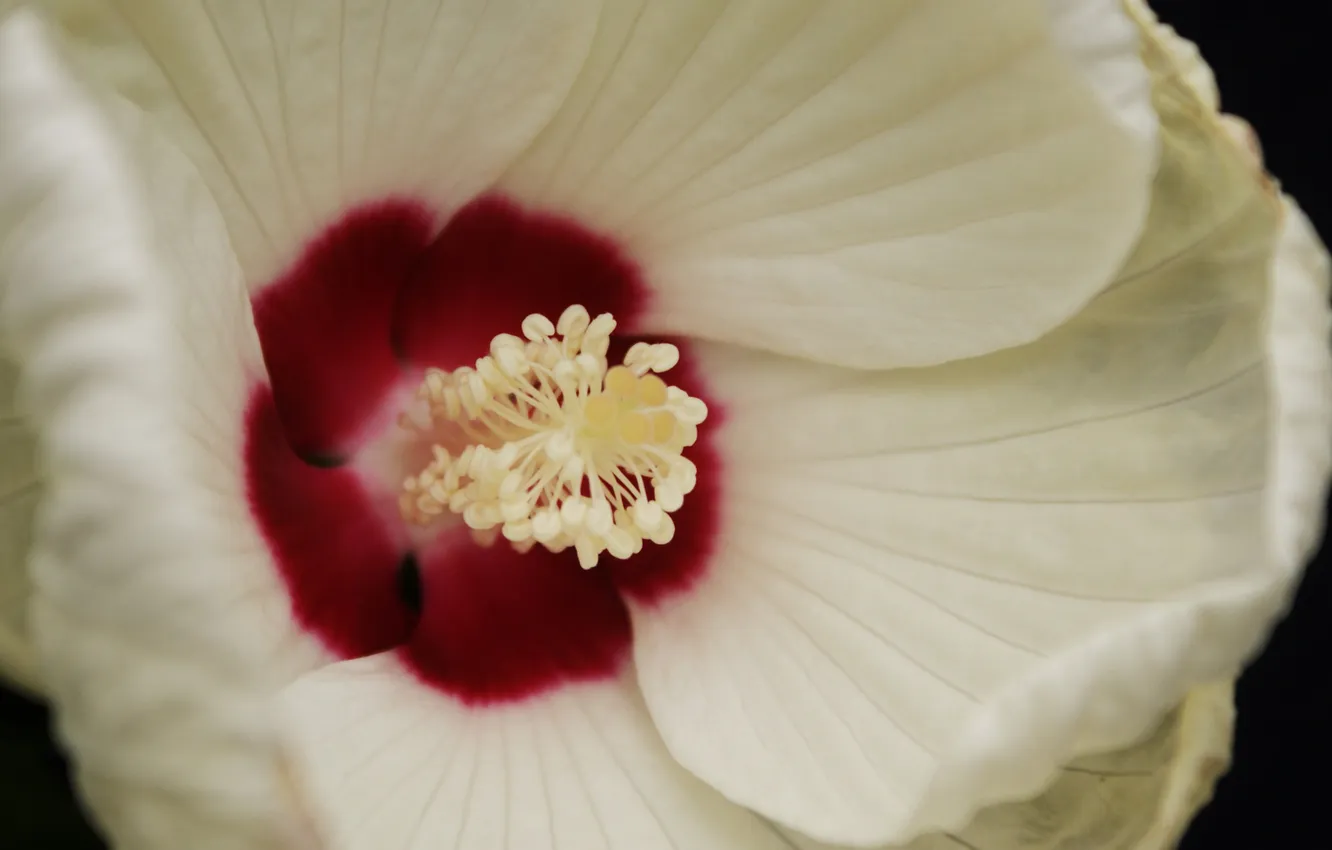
[[644, 425]]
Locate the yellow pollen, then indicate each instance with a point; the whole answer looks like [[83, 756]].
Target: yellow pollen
[[599, 413], [621, 382], [562, 448], [634, 429], [663, 426], [651, 391]]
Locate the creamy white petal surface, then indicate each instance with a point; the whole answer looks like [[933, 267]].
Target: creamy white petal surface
[[930, 179], [298, 164], [397, 766], [947, 581], [295, 110], [123, 302], [159, 614], [1095, 34], [894, 184]]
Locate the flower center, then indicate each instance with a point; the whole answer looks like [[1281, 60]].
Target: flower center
[[558, 448]]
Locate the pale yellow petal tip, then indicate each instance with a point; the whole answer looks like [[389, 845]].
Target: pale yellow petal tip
[[547, 443], [1140, 797], [1243, 134], [1185, 57], [1170, 56], [18, 663], [1202, 756]]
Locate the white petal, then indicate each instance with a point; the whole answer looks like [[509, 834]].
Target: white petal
[[1141, 797], [124, 306], [20, 489], [898, 183], [1101, 38], [296, 110], [397, 766], [936, 585]]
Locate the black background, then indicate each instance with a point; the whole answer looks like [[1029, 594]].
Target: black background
[[1270, 59]]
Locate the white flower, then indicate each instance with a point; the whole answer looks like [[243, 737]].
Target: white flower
[[986, 481]]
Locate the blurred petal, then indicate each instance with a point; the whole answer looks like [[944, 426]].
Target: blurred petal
[[1138, 798], [398, 766], [153, 614], [1188, 61], [295, 112], [895, 184], [1299, 363], [19, 493], [934, 586], [20, 489], [1300, 367]]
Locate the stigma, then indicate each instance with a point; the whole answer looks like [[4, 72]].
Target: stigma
[[546, 444]]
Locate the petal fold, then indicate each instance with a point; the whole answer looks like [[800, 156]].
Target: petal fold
[[934, 586], [153, 618], [1101, 38], [902, 185], [397, 766], [324, 327], [1141, 797]]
